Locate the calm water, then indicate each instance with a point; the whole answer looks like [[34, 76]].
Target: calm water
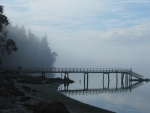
[[134, 99]]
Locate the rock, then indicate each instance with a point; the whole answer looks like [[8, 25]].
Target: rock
[[7, 83], [17, 110], [46, 107], [17, 92], [7, 87], [30, 80], [26, 88], [7, 102], [25, 98], [58, 80], [58, 107], [34, 90]]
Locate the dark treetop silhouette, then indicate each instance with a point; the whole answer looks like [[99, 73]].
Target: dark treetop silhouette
[[33, 51], [6, 45]]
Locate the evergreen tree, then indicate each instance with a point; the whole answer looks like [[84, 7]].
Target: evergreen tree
[[33, 51], [6, 45]]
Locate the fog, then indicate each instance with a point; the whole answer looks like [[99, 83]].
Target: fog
[[84, 34], [99, 34], [33, 51], [120, 48]]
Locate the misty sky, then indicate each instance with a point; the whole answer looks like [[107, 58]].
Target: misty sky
[[89, 33]]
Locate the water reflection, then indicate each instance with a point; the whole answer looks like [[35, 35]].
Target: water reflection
[[120, 92], [127, 85], [84, 91]]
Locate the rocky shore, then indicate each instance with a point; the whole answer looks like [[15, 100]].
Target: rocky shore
[[27, 94]]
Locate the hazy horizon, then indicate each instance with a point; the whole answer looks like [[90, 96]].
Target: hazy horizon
[[87, 33]]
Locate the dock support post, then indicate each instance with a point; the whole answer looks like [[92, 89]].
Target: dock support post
[[127, 80], [122, 83], [43, 74], [84, 80], [66, 78], [116, 81], [131, 79], [108, 77], [87, 80], [108, 80], [103, 81]]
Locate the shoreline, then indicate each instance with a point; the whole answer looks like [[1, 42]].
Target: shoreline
[[25, 94], [49, 92]]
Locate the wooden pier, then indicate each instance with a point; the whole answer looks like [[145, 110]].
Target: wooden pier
[[66, 71]]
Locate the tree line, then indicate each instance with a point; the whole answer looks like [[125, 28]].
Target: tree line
[[29, 49]]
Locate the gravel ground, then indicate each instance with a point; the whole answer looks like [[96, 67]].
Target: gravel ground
[[48, 92]]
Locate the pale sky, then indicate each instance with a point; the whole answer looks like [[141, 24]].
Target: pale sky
[[89, 33]]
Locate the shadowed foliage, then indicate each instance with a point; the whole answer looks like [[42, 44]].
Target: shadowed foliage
[[6, 45], [33, 51]]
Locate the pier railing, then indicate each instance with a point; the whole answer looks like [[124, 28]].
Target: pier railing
[[70, 70]]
